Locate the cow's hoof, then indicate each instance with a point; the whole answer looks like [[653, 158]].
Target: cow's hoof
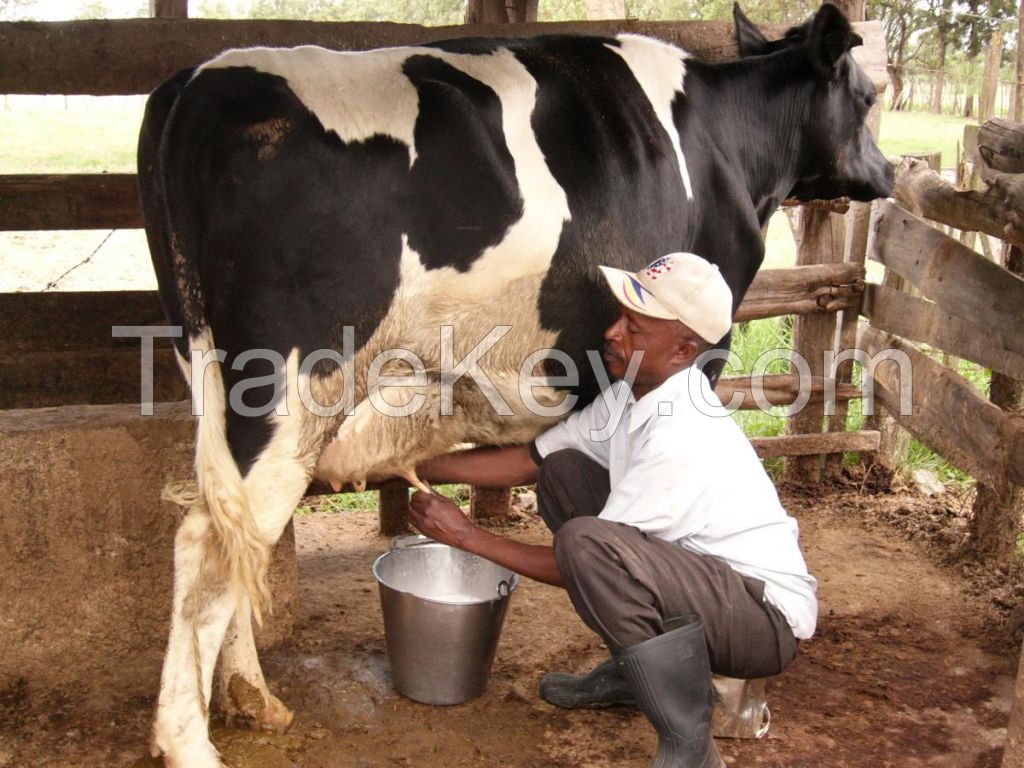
[[275, 716], [246, 706]]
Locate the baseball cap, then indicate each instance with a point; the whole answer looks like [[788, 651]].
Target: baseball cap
[[678, 286]]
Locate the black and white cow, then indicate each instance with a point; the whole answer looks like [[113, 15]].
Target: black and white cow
[[305, 199]]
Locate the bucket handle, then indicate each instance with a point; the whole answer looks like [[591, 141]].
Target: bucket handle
[[504, 588], [410, 540]]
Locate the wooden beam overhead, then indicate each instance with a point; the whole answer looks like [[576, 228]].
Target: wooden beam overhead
[[129, 56]]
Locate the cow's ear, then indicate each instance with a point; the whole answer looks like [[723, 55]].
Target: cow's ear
[[829, 38], [748, 37]]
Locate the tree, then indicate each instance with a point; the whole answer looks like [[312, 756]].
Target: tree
[[16, 10], [903, 21]]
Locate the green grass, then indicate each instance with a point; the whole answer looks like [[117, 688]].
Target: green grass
[[91, 137], [368, 501], [914, 132]]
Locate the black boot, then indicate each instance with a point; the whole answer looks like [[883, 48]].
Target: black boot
[[670, 676], [604, 686]]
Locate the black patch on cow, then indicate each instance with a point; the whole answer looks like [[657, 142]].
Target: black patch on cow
[[293, 231], [463, 193], [607, 150], [473, 46], [158, 110]]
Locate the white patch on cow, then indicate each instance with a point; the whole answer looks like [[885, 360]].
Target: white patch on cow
[[277, 479], [355, 94], [660, 69]]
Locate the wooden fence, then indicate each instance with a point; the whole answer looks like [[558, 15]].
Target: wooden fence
[[56, 349], [973, 309]]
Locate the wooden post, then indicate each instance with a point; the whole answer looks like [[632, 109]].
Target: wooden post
[[822, 240], [490, 504], [168, 9], [858, 221], [394, 508], [998, 508], [1013, 754], [500, 11]]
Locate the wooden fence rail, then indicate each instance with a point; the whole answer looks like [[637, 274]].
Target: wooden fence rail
[[973, 309], [132, 56], [948, 414], [949, 273]]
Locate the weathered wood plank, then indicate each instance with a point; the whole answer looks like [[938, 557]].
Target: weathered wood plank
[[952, 275], [85, 377], [129, 56], [815, 445], [82, 320], [1001, 145], [822, 240], [779, 389], [948, 414], [105, 201], [922, 321], [813, 289], [923, 192], [66, 321], [69, 201], [490, 504]]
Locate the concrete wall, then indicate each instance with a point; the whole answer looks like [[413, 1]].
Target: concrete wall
[[86, 548]]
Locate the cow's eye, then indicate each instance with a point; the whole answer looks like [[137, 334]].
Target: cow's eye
[[870, 100]]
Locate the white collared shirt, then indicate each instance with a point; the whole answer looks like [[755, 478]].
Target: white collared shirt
[[688, 474]]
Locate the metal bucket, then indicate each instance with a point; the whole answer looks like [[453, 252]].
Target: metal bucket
[[443, 612]]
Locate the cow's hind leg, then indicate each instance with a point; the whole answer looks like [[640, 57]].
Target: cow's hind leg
[[204, 606], [244, 696]]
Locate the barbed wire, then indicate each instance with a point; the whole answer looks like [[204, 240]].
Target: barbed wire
[[53, 283]]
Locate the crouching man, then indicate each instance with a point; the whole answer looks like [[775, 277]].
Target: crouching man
[[668, 535]]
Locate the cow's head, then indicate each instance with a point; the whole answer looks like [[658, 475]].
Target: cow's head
[[838, 155]]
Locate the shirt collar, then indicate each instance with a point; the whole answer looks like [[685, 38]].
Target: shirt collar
[[670, 390]]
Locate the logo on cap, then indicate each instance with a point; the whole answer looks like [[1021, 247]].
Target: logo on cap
[[633, 291], [658, 267]]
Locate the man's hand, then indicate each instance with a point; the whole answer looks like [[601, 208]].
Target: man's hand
[[440, 518]]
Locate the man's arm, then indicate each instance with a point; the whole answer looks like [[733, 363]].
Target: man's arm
[[487, 467], [440, 519]]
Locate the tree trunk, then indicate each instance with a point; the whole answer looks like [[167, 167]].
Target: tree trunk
[[1018, 91], [990, 85], [605, 9], [940, 78], [896, 78], [500, 11]]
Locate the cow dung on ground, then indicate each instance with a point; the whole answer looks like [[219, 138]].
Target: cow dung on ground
[[912, 666]]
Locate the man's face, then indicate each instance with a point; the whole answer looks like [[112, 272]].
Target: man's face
[[659, 340]]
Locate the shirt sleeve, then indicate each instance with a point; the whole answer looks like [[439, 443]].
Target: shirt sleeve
[[575, 432], [655, 496]]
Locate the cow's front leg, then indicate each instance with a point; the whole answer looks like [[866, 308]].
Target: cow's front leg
[[243, 693], [203, 606]]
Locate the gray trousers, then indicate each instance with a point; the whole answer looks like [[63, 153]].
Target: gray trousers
[[625, 584]]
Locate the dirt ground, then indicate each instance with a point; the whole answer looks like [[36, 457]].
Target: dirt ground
[[912, 665]]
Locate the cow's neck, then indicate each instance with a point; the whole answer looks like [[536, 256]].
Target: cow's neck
[[755, 113]]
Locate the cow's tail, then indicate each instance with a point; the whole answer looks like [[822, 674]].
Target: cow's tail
[[240, 549], [173, 134]]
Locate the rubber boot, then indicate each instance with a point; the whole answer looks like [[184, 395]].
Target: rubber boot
[[670, 676], [604, 686]]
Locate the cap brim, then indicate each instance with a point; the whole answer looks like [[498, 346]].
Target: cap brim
[[632, 295]]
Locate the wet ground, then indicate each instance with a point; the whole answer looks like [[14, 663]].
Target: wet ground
[[912, 665]]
